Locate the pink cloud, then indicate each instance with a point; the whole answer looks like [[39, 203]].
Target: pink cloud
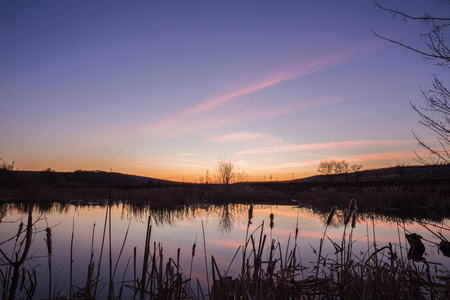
[[242, 136], [188, 121], [331, 145], [288, 73], [225, 118], [385, 155]]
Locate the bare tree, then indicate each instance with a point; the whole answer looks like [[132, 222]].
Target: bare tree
[[333, 167], [326, 168], [435, 114], [337, 167], [437, 104], [345, 168], [329, 168], [240, 176], [225, 171], [435, 47], [355, 168]]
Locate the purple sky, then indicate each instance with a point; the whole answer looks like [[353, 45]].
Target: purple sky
[[167, 88]]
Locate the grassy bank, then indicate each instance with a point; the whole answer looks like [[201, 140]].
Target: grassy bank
[[404, 198]]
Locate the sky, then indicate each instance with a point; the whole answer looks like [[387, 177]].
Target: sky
[[166, 88]]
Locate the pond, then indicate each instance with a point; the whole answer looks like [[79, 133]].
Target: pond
[[219, 231]]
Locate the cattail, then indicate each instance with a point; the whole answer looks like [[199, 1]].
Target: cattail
[[193, 249], [330, 216], [192, 257], [271, 221], [48, 240], [296, 232], [250, 212], [352, 205], [19, 231], [346, 217], [354, 219]]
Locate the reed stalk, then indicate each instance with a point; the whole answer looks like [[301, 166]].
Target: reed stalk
[[123, 279], [48, 241], [17, 264], [192, 256], [145, 265], [206, 261], [90, 273], [71, 261], [329, 219], [134, 268], [101, 253], [121, 249], [111, 282]]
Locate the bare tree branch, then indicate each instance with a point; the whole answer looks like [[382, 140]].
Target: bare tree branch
[[435, 114], [434, 40], [225, 170], [396, 12]]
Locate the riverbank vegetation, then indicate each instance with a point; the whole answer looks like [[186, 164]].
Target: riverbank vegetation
[[417, 193]]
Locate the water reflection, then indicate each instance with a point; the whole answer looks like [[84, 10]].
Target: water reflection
[[227, 216], [178, 228], [228, 213]]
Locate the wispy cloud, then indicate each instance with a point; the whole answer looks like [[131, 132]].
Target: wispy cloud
[[331, 145], [221, 119], [291, 72], [199, 118], [380, 156], [243, 136]]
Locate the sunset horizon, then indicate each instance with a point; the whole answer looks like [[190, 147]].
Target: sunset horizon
[[166, 89]]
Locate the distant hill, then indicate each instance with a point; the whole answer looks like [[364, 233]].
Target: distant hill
[[87, 178], [101, 178], [387, 173]]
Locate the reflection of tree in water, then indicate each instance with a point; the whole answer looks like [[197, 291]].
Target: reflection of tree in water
[[3, 211], [165, 216], [364, 217], [228, 214], [158, 216], [42, 207], [226, 219]]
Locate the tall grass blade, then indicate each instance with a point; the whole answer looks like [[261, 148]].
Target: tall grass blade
[[71, 260], [206, 262]]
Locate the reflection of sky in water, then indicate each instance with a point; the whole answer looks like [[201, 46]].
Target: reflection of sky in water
[[180, 229]]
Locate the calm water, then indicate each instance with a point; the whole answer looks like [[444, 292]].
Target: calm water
[[224, 227]]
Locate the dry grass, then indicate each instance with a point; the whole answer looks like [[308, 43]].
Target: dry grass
[[406, 202], [422, 200]]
